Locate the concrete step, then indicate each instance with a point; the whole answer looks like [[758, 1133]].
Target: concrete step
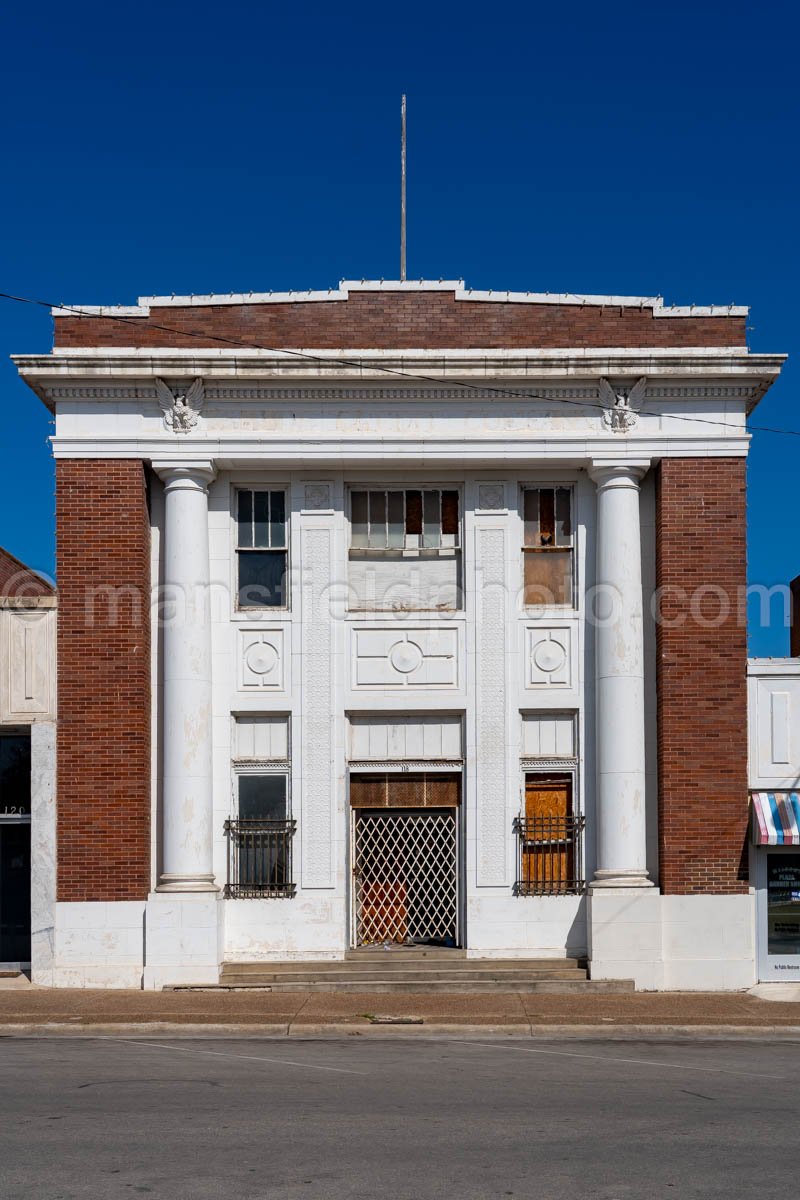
[[454, 985], [360, 953], [330, 978], [391, 962]]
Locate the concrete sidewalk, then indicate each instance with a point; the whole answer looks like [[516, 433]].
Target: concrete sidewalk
[[26, 1009]]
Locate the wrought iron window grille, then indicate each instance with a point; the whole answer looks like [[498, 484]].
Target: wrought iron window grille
[[549, 856], [259, 859]]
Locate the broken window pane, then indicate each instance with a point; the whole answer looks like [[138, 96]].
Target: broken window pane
[[450, 513], [547, 517], [414, 512]]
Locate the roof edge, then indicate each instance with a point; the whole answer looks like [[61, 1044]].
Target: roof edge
[[347, 286]]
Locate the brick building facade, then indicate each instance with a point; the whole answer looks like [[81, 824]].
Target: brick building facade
[[396, 564]]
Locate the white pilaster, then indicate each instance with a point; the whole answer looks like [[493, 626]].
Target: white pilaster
[[318, 799], [621, 827], [43, 851], [491, 737], [187, 864]]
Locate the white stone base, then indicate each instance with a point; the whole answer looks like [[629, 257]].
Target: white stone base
[[672, 943], [96, 944], [183, 942], [624, 931], [708, 943], [501, 925], [312, 926], [663, 943]]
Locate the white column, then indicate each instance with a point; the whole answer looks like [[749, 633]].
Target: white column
[[187, 861], [619, 662]]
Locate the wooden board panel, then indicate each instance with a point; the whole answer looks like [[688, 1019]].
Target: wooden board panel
[[405, 789], [547, 857]]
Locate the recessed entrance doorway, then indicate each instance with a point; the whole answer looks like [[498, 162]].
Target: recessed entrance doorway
[[15, 849], [405, 832]]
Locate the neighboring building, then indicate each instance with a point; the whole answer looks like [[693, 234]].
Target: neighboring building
[[401, 679], [774, 709], [27, 738]]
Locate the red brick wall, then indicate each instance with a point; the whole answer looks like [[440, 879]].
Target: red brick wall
[[403, 320], [103, 789], [702, 697], [19, 581]]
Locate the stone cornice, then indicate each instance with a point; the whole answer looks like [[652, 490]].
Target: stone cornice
[[347, 369]]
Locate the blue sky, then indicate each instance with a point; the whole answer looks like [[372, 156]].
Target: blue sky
[[617, 148]]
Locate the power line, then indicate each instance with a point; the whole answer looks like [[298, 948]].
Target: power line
[[205, 336]]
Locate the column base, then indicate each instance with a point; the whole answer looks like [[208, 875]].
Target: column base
[[608, 877], [186, 883], [183, 939], [624, 935]]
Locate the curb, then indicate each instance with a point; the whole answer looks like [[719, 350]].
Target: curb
[[165, 1030]]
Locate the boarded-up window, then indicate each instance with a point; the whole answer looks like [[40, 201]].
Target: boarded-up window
[[548, 850], [405, 790], [548, 546]]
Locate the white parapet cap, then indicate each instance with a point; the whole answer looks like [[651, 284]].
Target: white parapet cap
[[346, 286]]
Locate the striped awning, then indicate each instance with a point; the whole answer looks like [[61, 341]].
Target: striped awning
[[776, 818]]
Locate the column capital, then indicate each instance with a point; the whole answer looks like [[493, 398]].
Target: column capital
[[200, 471], [623, 472]]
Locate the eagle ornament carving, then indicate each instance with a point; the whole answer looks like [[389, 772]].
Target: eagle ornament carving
[[622, 404], [181, 409]]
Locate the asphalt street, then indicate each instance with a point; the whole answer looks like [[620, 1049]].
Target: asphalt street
[[405, 1120]]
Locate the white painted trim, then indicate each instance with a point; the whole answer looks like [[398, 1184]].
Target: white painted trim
[[573, 451], [404, 765], [405, 358], [346, 286], [773, 666]]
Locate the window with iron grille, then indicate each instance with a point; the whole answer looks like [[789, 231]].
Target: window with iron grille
[[405, 549], [260, 839], [260, 835], [261, 548], [549, 838], [547, 551]]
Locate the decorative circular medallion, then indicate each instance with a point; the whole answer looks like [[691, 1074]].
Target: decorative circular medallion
[[549, 656], [261, 658], [405, 657]]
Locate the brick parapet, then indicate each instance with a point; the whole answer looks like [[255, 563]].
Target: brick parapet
[[402, 320]]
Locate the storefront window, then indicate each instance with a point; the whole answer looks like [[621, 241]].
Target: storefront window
[[783, 903]]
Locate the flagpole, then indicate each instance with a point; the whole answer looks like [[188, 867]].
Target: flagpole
[[403, 188]]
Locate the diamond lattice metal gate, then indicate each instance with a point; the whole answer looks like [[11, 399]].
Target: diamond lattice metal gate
[[406, 876]]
